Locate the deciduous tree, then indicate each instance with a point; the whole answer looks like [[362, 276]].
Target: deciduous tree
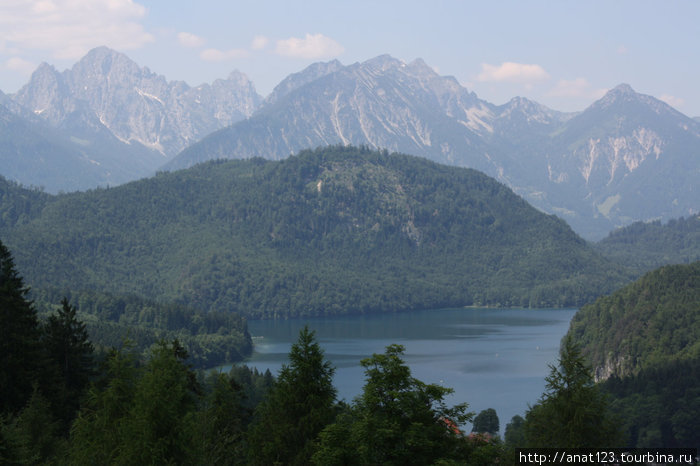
[[396, 420]]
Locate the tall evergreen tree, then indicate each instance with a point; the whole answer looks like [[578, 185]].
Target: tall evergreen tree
[[223, 420], [299, 406], [21, 355], [141, 416], [33, 436], [96, 435], [68, 345], [572, 412], [160, 427]]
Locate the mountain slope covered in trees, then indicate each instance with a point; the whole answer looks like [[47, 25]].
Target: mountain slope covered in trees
[[644, 246], [329, 231], [644, 342]]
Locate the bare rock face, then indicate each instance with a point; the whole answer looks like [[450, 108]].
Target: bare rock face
[[627, 157], [135, 104], [600, 169]]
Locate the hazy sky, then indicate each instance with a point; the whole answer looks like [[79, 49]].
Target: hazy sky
[[564, 54]]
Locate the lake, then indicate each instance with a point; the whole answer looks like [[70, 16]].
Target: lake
[[492, 358]]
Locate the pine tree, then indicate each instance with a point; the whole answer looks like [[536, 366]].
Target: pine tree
[[298, 407], [223, 420], [572, 412], [68, 345], [21, 355], [97, 433], [141, 416]]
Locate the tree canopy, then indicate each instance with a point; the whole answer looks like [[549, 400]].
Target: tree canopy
[[334, 230], [396, 420], [572, 412], [297, 408]]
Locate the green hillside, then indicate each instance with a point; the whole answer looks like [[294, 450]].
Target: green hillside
[[335, 230], [649, 323], [644, 246], [644, 341]]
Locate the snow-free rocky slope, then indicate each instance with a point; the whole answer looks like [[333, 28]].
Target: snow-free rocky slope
[[627, 157], [123, 120]]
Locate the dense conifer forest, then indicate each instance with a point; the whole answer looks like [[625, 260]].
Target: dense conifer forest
[[644, 343], [335, 230], [63, 402], [645, 246]]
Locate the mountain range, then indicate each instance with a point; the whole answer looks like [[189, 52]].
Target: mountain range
[[627, 157], [109, 121]]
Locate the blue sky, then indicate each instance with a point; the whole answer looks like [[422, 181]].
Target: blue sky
[[564, 54]]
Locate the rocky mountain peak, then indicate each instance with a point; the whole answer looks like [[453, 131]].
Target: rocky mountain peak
[[382, 63], [238, 78], [623, 102], [528, 110], [419, 67], [43, 94], [307, 75], [623, 89], [135, 104], [617, 95]]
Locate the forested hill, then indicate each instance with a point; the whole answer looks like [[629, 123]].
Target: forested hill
[[651, 322], [645, 246], [644, 340], [334, 230]]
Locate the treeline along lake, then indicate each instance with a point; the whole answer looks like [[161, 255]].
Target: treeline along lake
[[492, 358]]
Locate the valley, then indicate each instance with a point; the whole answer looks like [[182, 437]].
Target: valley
[[162, 222]]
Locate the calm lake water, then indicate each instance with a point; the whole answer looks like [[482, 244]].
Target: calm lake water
[[492, 358]]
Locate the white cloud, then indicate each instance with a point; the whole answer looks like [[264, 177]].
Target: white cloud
[[313, 46], [579, 87], [69, 28], [19, 64], [223, 55], [259, 42], [189, 40], [512, 72], [673, 101]]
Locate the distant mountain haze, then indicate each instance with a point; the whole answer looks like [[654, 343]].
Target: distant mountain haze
[[113, 121], [627, 157]]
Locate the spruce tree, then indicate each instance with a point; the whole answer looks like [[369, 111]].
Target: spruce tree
[[21, 355], [572, 412], [297, 408], [97, 433], [142, 415], [68, 345], [160, 427], [222, 421]]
